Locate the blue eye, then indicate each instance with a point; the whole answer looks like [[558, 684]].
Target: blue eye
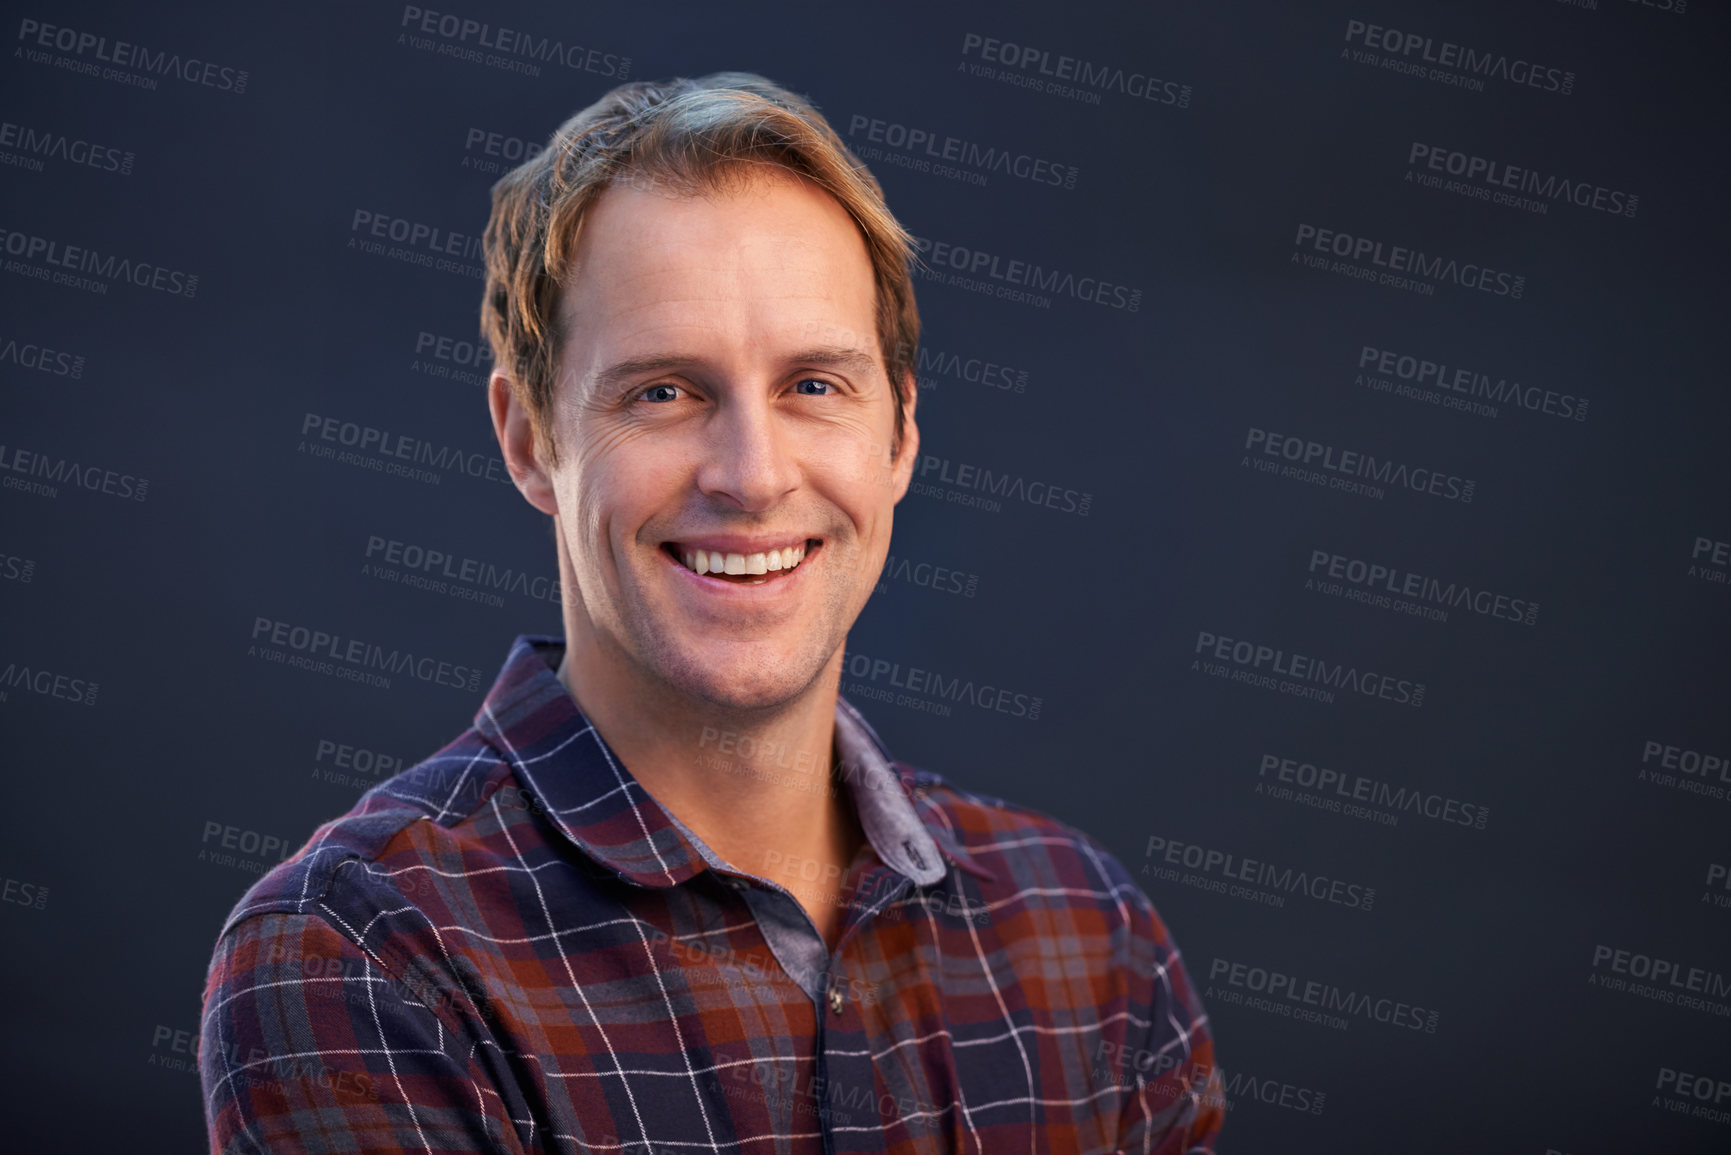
[[660, 393], [815, 381]]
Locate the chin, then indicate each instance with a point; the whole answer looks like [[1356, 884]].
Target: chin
[[740, 678], [745, 695]]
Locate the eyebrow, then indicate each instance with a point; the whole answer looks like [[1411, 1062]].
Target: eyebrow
[[839, 357]]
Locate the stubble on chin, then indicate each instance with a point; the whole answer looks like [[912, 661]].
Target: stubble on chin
[[741, 681]]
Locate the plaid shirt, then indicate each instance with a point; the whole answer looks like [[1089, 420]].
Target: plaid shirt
[[512, 947]]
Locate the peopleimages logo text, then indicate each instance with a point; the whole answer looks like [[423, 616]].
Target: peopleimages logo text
[[123, 54], [407, 232], [110, 267], [368, 439], [1459, 57], [1070, 69], [67, 471], [1413, 262], [48, 684], [45, 143], [511, 42], [1672, 974], [435, 568], [1376, 792], [1259, 873], [318, 645], [1304, 669], [977, 263], [932, 145], [1008, 486], [1513, 178], [938, 686], [1281, 985], [1375, 576], [1367, 466], [1426, 373]]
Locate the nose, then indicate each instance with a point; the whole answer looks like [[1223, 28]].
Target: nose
[[749, 458]]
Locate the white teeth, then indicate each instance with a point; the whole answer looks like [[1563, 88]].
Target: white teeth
[[708, 561]]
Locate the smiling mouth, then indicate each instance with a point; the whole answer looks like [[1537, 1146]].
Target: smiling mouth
[[742, 568]]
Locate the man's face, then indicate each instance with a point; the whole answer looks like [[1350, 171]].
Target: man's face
[[721, 404]]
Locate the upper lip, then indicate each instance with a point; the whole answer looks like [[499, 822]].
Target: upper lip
[[739, 543]]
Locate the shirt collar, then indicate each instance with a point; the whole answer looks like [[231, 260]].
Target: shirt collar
[[583, 787]]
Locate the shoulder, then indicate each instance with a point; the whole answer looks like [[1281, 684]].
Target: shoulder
[[343, 937], [411, 819], [1035, 855], [1061, 892]]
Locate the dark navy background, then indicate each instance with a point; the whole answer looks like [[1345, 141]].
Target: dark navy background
[[130, 815]]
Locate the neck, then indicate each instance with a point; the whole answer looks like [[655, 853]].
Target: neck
[[755, 786]]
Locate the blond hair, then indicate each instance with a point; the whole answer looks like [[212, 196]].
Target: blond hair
[[691, 136]]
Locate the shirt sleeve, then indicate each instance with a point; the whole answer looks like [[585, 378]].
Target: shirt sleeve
[[1173, 1102], [308, 1045]]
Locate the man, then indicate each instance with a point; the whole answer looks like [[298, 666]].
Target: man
[[670, 893]]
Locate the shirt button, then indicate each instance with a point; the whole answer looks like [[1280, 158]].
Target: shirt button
[[836, 1000]]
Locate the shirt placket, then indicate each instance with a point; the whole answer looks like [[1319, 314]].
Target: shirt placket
[[849, 1080]]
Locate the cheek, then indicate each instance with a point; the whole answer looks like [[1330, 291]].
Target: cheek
[[856, 465], [586, 513], [616, 492]]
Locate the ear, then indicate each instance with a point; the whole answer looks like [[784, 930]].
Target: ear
[[910, 448], [516, 436]]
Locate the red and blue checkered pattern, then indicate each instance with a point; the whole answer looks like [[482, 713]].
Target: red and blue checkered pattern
[[511, 947]]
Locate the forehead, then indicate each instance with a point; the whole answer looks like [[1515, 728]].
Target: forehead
[[768, 259]]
